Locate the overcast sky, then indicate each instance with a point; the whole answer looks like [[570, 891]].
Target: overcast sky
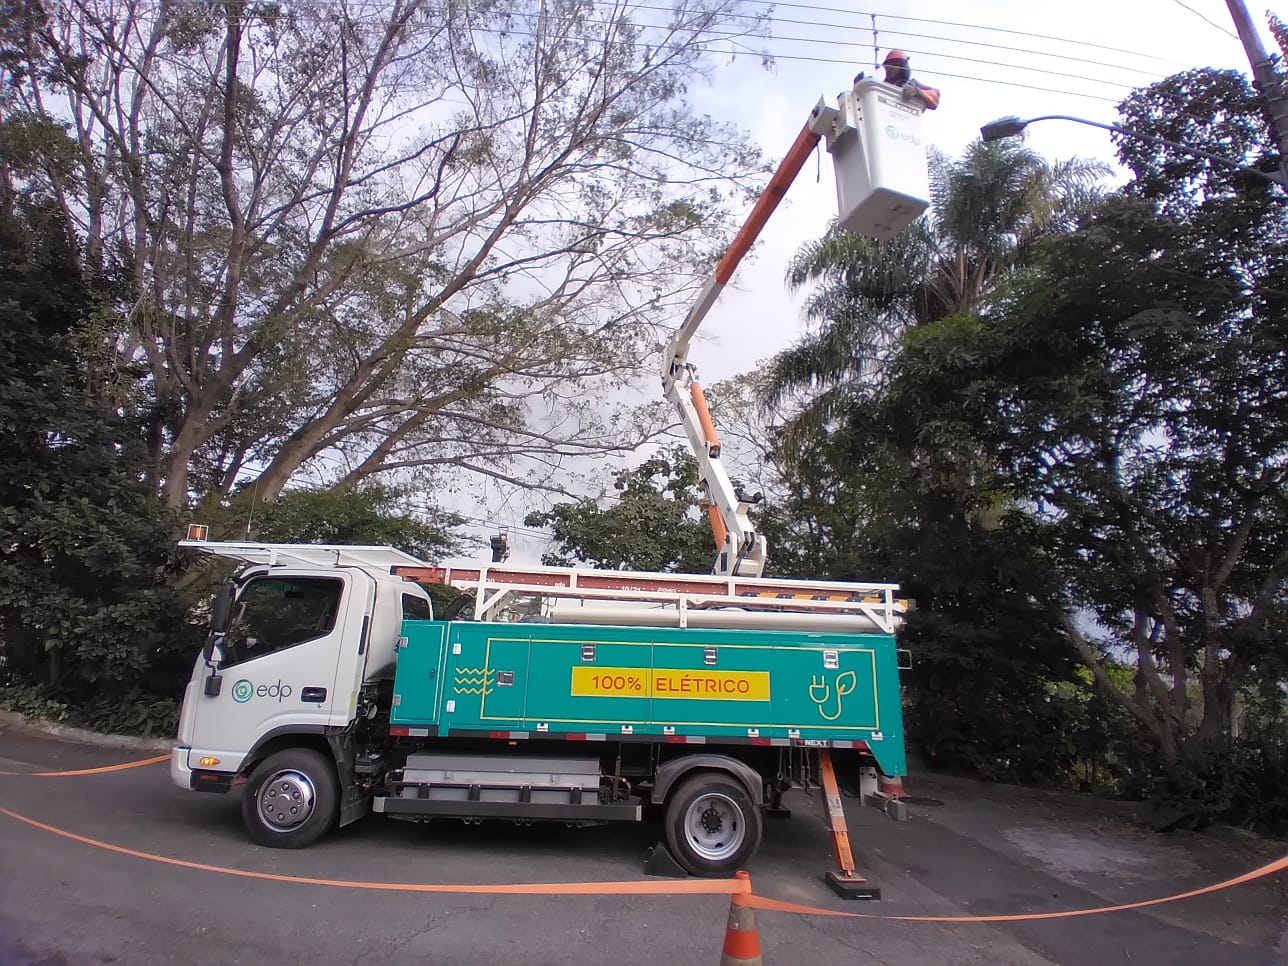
[[987, 61]]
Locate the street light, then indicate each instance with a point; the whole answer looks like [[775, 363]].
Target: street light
[[1008, 127]]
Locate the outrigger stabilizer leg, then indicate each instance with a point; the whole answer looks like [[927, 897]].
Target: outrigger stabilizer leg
[[845, 880]]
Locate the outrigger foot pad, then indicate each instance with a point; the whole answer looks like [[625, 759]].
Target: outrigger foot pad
[[851, 887], [661, 862]]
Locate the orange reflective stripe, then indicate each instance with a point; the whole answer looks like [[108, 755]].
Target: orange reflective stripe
[[742, 944]]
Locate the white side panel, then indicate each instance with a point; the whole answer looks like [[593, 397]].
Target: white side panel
[[267, 692]]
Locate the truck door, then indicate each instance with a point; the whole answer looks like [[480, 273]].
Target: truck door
[[279, 664]]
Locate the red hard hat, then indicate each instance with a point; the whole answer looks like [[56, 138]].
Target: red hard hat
[[895, 55]]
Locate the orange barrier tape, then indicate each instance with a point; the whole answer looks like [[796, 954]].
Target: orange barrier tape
[[775, 905], [88, 771], [739, 887], [719, 887]]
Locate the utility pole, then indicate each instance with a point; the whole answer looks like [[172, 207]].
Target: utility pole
[[1264, 79]]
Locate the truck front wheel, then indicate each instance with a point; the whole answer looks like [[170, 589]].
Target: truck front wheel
[[712, 825], [290, 799]]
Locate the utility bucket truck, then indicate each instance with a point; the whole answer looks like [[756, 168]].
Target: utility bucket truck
[[330, 687]]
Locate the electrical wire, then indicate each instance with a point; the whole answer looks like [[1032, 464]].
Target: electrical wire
[[1117, 65], [1202, 16], [848, 62], [857, 14], [970, 26]]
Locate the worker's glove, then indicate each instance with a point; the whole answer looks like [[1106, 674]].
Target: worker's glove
[[908, 91]]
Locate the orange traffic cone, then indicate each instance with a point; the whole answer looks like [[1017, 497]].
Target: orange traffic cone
[[742, 941], [890, 787]]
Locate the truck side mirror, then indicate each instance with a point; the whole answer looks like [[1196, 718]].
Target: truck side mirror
[[222, 611]]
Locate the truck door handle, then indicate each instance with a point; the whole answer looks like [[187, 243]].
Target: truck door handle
[[313, 695]]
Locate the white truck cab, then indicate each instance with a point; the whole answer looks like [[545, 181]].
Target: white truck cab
[[294, 641]]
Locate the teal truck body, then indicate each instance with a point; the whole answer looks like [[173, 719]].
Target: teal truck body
[[651, 684]]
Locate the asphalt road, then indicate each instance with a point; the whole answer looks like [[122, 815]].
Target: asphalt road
[[985, 851]]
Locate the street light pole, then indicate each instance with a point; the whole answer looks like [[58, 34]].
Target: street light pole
[[1006, 127]]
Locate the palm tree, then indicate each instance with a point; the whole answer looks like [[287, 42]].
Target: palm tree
[[987, 210]]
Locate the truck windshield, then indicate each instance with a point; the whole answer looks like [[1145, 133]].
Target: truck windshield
[[274, 613]]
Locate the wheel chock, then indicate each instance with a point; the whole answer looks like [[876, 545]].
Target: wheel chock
[[851, 886], [661, 863], [893, 807]]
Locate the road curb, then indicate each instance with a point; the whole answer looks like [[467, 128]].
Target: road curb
[[13, 721]]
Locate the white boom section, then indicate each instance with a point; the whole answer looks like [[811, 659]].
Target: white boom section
[[878, 153], [741, 550]]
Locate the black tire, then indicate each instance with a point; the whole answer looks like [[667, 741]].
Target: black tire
[[712, 825], [291, 799]]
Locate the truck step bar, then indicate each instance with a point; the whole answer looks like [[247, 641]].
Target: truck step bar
[[519, 811], [497, 786]]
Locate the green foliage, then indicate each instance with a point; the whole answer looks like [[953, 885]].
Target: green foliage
[[1086, 458], [85, 600], [371, 514], [1214, 111], [34, 701], [655, 523], [988, 209], [990, 678], [133, 713]]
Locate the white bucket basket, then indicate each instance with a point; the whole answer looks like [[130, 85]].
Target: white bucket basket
[[879, 156]]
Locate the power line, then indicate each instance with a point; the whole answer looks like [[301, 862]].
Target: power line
[[815, 60], [1211, 23], [1117, 65], [802, 58], [969, 26]]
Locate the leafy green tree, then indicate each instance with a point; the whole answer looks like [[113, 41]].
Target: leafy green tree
[[859, 505], [993, 689], [988, 208], [372, 515], [398, 233], [1131, 396], [653, 522], [86, 608]]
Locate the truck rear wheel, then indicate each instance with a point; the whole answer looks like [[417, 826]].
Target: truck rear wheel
[[712, 825], [290, 800]]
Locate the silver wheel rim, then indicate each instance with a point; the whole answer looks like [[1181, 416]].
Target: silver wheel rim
[[714, 826], [286, 800]]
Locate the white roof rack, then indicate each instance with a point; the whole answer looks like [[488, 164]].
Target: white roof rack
[[678, 599], [308, 554], [682, 596]]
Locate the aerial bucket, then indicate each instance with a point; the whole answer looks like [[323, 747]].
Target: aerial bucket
[[879, 155]]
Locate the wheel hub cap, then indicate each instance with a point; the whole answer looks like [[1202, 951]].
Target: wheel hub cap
[[714, 826], [286, 800]]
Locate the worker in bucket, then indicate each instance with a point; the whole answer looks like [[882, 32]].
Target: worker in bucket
[[899, 74]]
